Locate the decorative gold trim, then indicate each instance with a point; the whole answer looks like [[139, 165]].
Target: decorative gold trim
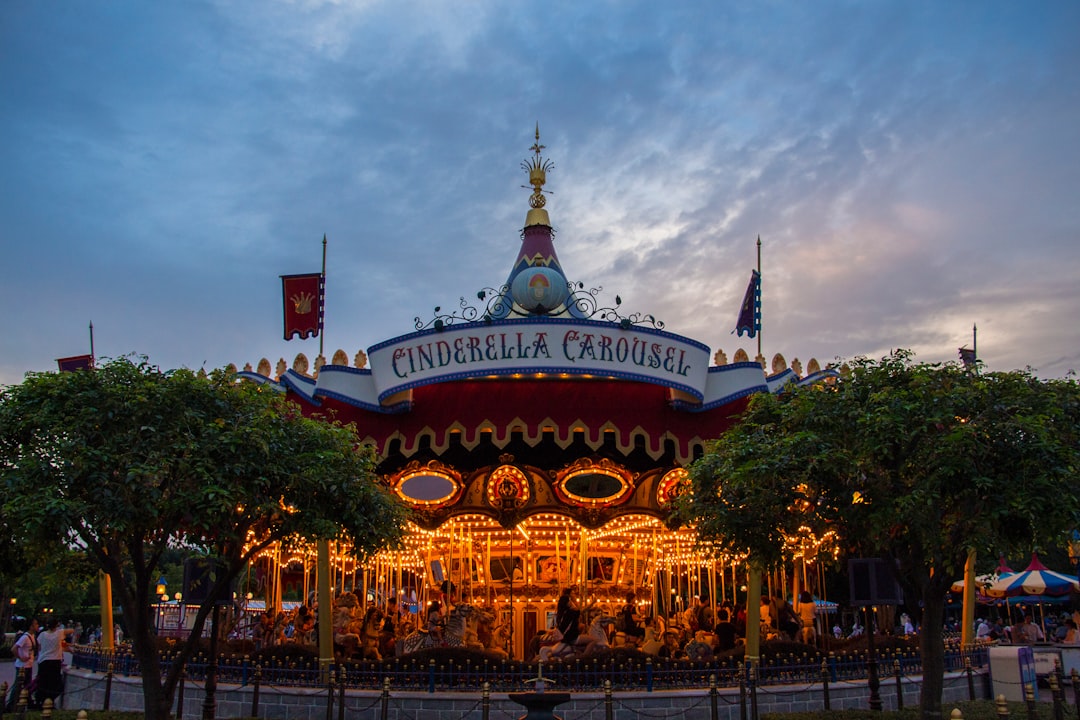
[[669, 486], [431, 468], [507, 482], [587, 466]]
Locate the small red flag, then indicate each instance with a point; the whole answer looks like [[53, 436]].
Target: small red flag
[[76, 362], [303, 300]]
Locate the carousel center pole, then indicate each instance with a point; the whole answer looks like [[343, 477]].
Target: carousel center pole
[[326, 612]]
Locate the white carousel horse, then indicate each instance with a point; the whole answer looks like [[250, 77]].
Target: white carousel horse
[[453, 632], [594, 640], [652, 643]]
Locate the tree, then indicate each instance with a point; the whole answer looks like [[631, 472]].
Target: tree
[[916, 463], [128, 461]]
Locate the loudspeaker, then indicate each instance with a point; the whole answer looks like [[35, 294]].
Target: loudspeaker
[[200, 575], [871, 582]]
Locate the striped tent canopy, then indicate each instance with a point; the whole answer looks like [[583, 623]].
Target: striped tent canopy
[[984, 581], [1035, 579]]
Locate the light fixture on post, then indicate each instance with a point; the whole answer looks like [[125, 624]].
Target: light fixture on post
[[162, 586]]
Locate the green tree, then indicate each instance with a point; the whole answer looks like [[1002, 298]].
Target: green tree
[[915, 463], [128, 461]]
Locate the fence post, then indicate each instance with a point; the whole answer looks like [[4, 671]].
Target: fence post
[[485, 701], [385, 698], [609, 708], [255, 690], [431, 676], [1029, 698], [648, 674], [753, 691], [3, 695], [180, 693], [970, 678], [1002, 706], [956, 714], [108, 685], [825, 685], [46, 709], [713, 698], [742, 692], [330, 695], [1055, 692], [899, 685], [341, 692], [1076, 690]]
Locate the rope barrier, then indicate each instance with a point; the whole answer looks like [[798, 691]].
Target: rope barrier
[[663, 714]]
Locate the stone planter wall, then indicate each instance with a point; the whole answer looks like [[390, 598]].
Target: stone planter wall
[[86, 690]]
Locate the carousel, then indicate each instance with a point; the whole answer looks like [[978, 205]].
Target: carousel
[[539, 434]]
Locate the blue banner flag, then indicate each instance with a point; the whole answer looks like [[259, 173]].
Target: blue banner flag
[[750, 313], [967, 357]]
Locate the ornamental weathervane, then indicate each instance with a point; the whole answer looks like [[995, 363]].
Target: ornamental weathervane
[[537, 285]]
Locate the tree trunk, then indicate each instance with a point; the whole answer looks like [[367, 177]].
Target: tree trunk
[[932, 647], [157, 704]]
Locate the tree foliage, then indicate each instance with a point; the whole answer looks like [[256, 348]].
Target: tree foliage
[[128, 461], [918, 463]]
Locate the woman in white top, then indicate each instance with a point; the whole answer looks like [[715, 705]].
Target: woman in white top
[[50, 682]]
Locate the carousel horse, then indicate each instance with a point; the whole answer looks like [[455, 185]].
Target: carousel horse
[[698, 648], [652, 643], [346, 625], [369, 634], [471, 638], [594, 640], [453, 632]]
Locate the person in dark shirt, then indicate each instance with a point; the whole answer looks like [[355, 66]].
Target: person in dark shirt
[[630, 624], [725, 631]]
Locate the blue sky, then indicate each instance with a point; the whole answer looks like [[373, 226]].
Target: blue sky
[[912, 169]]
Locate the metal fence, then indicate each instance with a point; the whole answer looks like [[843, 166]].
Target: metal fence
[[624, 672]]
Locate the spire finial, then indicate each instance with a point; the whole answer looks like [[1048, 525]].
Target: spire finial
[[537, 168]]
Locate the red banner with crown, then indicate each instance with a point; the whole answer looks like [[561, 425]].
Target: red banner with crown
[[303, 300]]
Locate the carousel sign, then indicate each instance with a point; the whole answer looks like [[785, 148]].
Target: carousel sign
[[574, 347]]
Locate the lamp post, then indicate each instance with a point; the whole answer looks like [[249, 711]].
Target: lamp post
[[11, 614]]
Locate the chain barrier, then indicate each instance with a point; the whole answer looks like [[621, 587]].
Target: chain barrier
[[665, 713], [586, 712]]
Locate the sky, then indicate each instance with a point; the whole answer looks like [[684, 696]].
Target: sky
[[912, 170]]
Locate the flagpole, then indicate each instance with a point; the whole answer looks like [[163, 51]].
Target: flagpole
[[91, 343], [322, 332], [760, 324]]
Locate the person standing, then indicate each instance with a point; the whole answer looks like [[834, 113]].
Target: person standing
[[50, 680], [630, 621], [24, 650], [807, 610]]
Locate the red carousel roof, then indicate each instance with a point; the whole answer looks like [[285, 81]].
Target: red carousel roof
[[598, 412]]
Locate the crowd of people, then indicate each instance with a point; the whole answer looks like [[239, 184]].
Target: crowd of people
[[1062, 629], [696, 633], [285, 626]]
